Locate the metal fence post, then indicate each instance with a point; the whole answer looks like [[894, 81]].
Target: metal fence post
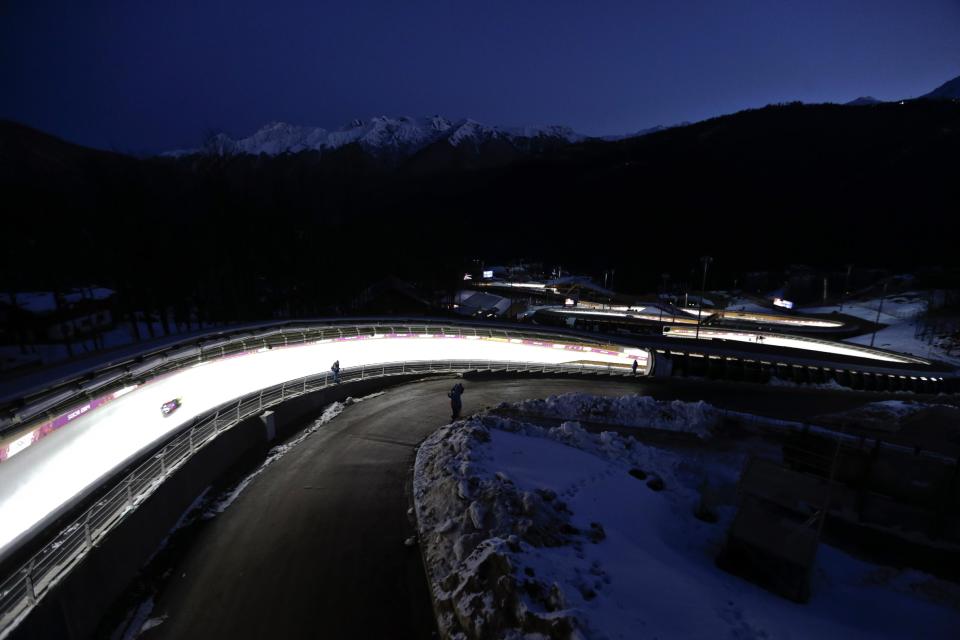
[[28, 583], [87, 535]]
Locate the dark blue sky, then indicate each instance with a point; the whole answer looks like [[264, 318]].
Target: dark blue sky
[[134, 75]]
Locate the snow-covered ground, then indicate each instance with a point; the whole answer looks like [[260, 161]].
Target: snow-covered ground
[[899, 307], [830, 385], [630, 411], [535, 532], [902, 314], [749, 304]]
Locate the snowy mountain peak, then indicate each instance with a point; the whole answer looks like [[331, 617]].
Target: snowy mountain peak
[[379, 135], [439, 123], [863, 101]]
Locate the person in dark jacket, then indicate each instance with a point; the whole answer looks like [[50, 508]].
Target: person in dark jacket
[[634, 367], [455, 402], [336, 372]]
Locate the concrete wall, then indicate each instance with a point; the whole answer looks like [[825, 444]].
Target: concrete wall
[[73, 609]]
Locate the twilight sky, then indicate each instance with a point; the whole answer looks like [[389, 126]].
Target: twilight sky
[[139, 76]]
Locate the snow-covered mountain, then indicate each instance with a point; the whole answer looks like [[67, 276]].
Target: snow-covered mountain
[[382, 135], [863, 101]]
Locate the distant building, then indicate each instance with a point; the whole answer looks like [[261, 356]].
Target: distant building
[[483, 305]]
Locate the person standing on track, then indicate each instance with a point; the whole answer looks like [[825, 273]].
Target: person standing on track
[[455, 402]]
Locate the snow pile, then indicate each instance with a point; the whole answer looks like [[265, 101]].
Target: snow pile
[[480, 535], [531, 532], [698, 418], [831, 385]]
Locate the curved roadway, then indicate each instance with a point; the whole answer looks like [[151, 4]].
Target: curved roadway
[[314, 545]]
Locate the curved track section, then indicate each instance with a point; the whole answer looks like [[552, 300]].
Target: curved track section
[[52, 468], [341, 496], [55, 472]]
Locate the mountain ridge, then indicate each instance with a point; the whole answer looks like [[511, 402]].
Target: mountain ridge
[[949, 90], [380, 135]]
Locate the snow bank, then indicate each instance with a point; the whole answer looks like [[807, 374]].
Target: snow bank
[[480, 531], [831, 385], [630, 411], [533, 532]]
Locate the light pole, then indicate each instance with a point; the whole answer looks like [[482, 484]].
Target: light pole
[[846, 286], [706, 260], [663, 292], [876, 325]]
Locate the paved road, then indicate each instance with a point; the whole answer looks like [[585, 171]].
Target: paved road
[[314, 546]]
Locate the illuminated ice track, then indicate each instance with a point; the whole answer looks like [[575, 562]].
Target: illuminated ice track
[[42, 474], [794, 342]]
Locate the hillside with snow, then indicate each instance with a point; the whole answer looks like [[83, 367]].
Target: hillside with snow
[[903, 327], [381, 136]]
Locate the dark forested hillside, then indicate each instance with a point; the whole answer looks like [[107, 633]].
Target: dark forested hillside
[[823, 184]]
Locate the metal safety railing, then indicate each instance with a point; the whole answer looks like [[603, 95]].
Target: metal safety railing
[[58, 397], [872, 353], [21, 590]]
